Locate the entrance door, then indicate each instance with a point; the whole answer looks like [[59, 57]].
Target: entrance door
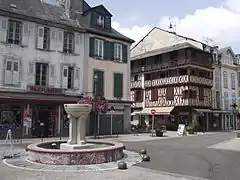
[[44, 122]]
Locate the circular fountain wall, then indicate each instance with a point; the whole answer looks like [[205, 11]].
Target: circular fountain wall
[[99, 152]]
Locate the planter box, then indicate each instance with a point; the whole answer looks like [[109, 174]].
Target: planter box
[[159, 133]]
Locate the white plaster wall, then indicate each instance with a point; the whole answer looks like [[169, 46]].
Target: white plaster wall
[[31, 54], [157, 39], [229, 89], [109, 68]]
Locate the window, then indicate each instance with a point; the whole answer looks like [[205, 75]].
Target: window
[[68, 77], [225, 80], [233, 81], [201, 93], [11, 73], [154, 94], [218, 99], [118, 85], [226, 101], [14, 32], [98, 48], [233, 98], [217, 79], [138, 96], [98, 83], [41, 74], [46, 38], [118, 51], [100, 21], [68, 42], [170, 93], [238, 79], [189, 94]]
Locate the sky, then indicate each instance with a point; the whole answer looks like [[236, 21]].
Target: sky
[[217, 21]]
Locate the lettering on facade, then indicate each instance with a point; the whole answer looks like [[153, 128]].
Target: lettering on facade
[[45, 90]]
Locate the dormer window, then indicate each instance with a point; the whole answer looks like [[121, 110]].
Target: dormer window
[[100, 21]]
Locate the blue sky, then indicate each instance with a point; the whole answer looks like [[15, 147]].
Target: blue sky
[[217, 20]]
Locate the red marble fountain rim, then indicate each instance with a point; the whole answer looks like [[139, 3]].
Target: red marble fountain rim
[[113, 146]]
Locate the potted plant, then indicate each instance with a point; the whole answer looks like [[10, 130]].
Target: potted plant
[[159, 130], [190, 129]]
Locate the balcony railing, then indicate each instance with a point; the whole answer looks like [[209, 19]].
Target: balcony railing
[[166, 81], [201, 80], [137, 104], [178, 80], [136, 84]]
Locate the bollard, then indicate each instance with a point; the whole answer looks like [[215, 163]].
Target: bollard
[[122, 165], [146, 158], [143, 151]]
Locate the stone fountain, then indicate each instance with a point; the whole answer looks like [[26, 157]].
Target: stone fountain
[[76, 151], [77, 114]]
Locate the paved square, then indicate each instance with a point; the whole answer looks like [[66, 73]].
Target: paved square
[[184, 158]]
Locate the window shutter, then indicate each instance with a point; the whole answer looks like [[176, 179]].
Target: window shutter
[[31, 73], [91, 46], [77, 47], [40, 36], [16, 72], [93, 19], [101, 83], [111, 51], [106, 53], [107, 24], [118, 85], [60, 40], [52, 75], [65, 77], [124, 53], [8, 72], [3, 29], [76, 78], [25, 34], [53, 40]]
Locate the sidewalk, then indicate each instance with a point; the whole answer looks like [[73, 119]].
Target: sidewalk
[[121, 137], [232, 144]]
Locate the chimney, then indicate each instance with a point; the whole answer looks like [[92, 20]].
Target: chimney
[[76, 7], [66, 5]]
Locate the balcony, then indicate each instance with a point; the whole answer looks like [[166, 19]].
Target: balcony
[[201, 80], [166, 81], [136, 84]]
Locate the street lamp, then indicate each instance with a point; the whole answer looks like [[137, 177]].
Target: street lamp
[[234, 110], [95, 79]]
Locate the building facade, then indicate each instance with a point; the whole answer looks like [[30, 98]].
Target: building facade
[[46, 62], [229, 88], [173, 75]]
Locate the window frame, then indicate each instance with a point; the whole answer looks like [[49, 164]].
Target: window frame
[[66, 42], [118, 52], [14, 32], [225, 79], [98, 48], [100, 21]]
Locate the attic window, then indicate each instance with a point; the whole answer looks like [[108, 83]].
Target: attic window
[[13, 6]]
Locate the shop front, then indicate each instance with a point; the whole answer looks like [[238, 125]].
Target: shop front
[[33, 114]]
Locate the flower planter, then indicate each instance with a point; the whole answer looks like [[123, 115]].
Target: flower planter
[[191, 131], [159, 133]]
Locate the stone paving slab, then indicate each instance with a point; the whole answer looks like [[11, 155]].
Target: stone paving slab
[[133, 173], [232, 144]]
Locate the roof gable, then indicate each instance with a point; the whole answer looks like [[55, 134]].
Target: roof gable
[[101, 10], [158, 38]]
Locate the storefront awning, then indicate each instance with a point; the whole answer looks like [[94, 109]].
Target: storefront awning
[[159, 111], [203, 110], [135, 113]]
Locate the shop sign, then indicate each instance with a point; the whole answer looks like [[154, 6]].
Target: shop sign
[[45, 90]]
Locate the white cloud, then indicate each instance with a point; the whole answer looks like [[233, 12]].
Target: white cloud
[[221, 24]]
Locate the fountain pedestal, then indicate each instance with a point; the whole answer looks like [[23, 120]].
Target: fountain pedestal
[[77, 114]]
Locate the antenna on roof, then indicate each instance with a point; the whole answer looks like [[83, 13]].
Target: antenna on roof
[[172, 27]]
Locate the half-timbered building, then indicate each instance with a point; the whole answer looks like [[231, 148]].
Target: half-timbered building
[[175, 81]]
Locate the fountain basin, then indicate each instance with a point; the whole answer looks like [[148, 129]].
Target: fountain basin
[[100, 152]]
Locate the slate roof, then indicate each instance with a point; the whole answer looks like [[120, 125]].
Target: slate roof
[[56, 14]]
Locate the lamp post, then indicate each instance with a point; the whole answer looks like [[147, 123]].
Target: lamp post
[[234, 110], [95, 79]]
